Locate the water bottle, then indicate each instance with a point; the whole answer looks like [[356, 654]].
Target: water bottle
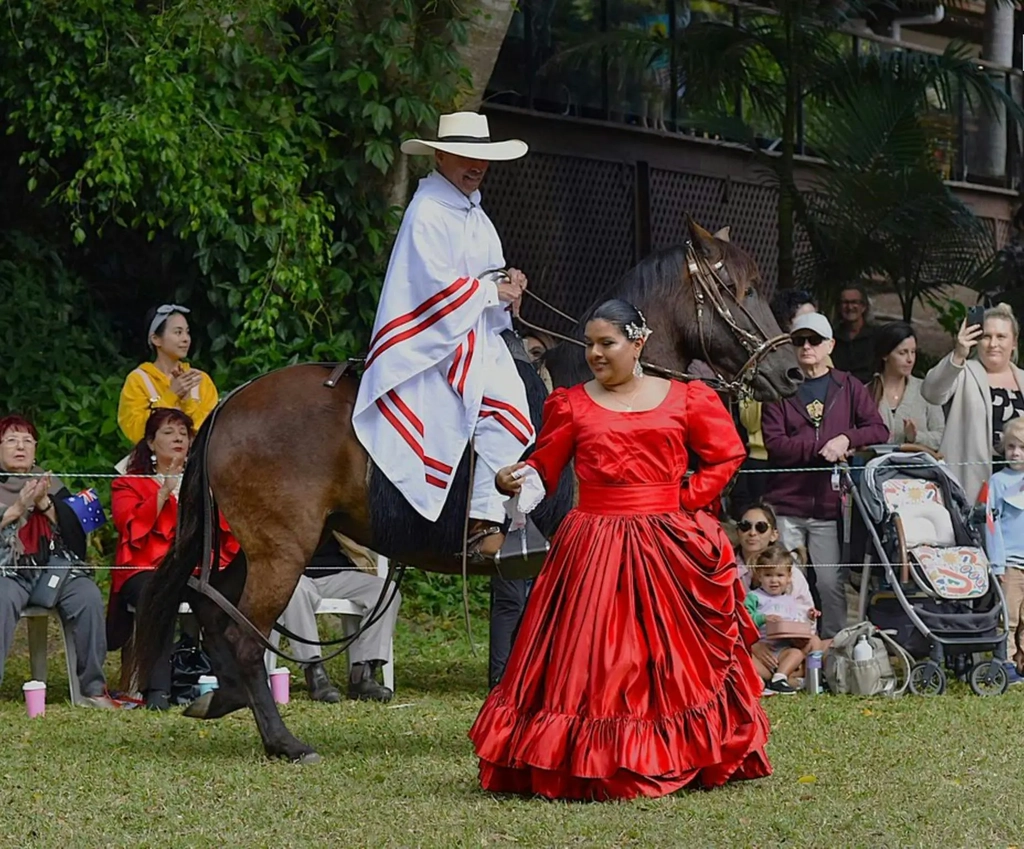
[[812, 676], [862, 650]]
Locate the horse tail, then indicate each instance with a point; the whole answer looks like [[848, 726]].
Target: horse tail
[[158, 608]]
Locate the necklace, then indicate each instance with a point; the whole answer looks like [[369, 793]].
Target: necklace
[[628, 405]]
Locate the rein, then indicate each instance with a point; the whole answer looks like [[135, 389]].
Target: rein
[[707, 286]]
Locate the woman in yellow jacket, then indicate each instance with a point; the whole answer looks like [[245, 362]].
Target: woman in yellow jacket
[[168, 381]]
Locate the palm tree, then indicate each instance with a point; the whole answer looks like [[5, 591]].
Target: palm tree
[[880, 209], [785, 68]]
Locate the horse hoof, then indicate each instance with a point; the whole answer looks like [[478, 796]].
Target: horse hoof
[[200, 707], [308, 758]]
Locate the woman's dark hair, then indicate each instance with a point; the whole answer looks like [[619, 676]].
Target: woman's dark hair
[[620, 313], [888, 338], [141, 460], [765, 508], [785, 304]]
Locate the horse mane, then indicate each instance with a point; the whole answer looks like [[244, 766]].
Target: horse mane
[[655, 279]]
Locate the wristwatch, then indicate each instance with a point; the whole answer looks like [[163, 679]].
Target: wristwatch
[[49, 504]]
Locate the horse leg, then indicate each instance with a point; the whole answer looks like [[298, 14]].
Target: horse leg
[[230, 694], [278, 741]]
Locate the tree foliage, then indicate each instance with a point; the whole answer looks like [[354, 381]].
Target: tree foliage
[[260, 134], [880, 208]]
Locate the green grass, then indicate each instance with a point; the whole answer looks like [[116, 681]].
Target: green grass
[[848, 772]]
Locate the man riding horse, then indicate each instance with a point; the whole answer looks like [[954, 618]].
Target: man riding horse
[[438, 374]]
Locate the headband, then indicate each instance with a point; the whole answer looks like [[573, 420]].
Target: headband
[[162, 312]]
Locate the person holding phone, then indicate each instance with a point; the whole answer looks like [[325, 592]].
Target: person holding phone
[[979, 395]]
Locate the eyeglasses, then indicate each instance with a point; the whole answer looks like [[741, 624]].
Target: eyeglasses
[[743, 526], [23, 441], [813, 338]]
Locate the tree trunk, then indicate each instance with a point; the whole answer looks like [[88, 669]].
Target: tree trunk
[[997, 47], [487, 23]]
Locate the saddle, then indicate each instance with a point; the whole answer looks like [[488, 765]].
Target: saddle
[[523, 552]]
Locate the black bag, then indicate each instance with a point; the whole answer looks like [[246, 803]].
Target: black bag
[[188, 663], [61, 566]]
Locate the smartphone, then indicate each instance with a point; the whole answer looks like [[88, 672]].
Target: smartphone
[[975, 315]]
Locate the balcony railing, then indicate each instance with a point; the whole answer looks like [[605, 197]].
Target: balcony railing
[[545, 65]]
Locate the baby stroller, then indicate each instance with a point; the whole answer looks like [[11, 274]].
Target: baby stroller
[[926, 579]]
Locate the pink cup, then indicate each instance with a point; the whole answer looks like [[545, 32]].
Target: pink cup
[[35, 697], [280, 683]]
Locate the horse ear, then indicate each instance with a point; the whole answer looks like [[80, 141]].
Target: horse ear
[[722, 235], [697, 233]]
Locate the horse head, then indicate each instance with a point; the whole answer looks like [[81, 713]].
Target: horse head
[[721, 318]]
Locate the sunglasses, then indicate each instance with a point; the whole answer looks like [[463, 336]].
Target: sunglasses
[[814, 339], [761, 527]]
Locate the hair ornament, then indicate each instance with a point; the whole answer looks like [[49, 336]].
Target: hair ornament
[[635, 331]]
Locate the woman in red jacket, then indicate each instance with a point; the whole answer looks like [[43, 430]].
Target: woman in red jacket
[[145, 511]]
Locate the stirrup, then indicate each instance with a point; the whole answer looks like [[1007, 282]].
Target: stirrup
[[523, 552], [474, 557]]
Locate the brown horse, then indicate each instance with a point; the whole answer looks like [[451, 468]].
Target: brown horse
[[281, 460]]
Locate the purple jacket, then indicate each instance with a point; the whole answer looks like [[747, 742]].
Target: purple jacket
[[793, 441]]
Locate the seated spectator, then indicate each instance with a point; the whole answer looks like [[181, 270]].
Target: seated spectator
[[34, 513], [773, 599], [897, 392], [979, 396], [168, 381], [758, 529], [331, 574], [831, 416], [855, 336], [145, 513]]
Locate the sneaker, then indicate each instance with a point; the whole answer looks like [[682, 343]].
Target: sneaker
[[1012, 675], [781, 687], [767, 691], [100, 702]]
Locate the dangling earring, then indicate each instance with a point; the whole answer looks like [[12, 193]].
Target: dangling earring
[[152, 459], [638, 370]]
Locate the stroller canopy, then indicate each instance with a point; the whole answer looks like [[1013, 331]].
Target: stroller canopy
[[918, 466]]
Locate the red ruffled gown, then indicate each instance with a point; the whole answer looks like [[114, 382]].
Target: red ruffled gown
[[631, 673]]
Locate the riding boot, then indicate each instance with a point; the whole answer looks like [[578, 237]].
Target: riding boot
[[483, 541], [363, 684], [320, 687]]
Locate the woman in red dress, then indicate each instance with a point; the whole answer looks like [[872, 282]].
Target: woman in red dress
[[145, 512], [631, 674]]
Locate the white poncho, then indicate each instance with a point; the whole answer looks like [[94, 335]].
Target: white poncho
[[438, 371]]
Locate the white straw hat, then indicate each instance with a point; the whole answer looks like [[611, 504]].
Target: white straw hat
[[466, 134]]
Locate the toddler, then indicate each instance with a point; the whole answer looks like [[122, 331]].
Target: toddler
[[771, 599], [1004, 539]]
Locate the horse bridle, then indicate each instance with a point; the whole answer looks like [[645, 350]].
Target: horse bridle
[[708, 287], [709, 290]]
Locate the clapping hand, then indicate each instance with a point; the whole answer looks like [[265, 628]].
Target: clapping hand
[[183, 381], [174, 472], [34, 492], [910, 430]]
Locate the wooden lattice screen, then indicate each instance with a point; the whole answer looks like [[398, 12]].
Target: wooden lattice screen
[[571, 222], [568, 222]]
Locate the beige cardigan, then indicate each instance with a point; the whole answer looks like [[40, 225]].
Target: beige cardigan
[[968, 436]]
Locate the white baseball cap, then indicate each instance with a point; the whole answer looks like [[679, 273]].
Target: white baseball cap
[[814, 322]]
